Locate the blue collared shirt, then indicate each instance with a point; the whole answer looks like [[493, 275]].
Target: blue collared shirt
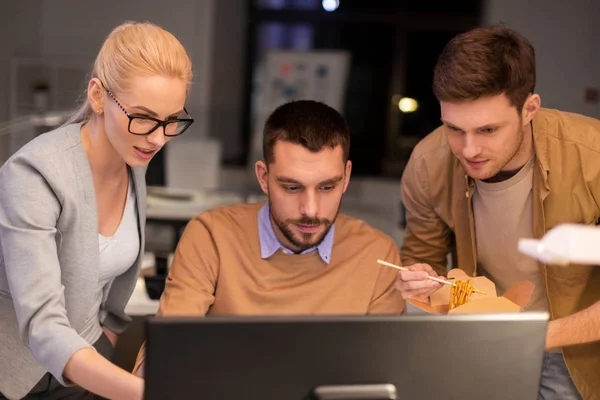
[[269, 244]]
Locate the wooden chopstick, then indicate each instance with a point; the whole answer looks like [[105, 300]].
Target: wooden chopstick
[[433, 278]]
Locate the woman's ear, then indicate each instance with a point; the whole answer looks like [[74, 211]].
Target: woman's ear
[[95, 95]]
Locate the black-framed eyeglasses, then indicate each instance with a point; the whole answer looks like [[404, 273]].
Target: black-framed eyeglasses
[[145, 125]]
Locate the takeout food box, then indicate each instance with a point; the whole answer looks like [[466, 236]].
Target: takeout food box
[[514, 299]]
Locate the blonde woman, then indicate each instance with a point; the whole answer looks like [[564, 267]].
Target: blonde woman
[[72, 210]]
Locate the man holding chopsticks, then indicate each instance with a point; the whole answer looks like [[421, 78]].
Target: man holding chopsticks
[[501, 168]]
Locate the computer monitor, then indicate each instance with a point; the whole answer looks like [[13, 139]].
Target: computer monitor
[[365, 357]]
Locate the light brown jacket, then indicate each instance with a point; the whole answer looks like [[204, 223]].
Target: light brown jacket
[[437, 196]]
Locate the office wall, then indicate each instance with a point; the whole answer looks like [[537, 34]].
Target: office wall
[[226, 86], [565, 36], [19, 36]]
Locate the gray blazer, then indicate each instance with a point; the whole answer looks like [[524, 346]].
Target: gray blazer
[[49, 259]]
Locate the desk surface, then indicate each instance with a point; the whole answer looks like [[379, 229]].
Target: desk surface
[[164, 203], [140, 304]]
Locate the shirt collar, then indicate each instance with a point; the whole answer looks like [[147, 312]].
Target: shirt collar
[[269, 244]]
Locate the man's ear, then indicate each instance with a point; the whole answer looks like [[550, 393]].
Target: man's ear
[[262, 175], [530, 108], [347, 174]]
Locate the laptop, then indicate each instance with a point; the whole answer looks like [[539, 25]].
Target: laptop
[[471, 356]]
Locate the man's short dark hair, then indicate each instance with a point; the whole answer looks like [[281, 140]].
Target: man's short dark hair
[[309, 123]]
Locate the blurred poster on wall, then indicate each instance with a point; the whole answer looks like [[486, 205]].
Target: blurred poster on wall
[[284, 76]]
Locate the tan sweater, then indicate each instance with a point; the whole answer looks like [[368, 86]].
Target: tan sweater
[[218, 270]]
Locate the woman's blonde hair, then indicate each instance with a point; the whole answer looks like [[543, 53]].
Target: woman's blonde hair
[[136, 49]]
